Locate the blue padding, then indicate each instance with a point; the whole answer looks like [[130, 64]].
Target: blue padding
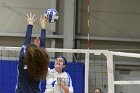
[[76, 71], [8, 76]]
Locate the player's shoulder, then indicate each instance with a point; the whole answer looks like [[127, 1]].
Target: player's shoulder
[[51, 70], [66, 73]]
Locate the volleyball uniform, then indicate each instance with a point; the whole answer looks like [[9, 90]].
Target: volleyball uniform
[[25, 83], [52, 84]]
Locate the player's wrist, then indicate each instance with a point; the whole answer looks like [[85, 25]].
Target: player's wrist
[[30, 23], [43, 26]]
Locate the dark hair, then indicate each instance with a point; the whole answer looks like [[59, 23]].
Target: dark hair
[[36, 60], [64, 60], [98, 89]]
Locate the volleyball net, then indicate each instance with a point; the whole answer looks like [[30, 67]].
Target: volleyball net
[[88, 69]]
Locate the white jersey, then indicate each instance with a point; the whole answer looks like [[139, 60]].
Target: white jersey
[[51, 82]]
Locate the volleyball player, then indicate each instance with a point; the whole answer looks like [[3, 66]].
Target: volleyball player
[[59, 81], [33, 60]]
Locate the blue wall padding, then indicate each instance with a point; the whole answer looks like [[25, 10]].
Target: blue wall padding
[[8, 76]]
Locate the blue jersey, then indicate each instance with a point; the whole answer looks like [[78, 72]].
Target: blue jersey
[[25, 83]]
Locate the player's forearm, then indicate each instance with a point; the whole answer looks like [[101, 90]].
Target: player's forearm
[[43, 38], [43, 31], [28, 35]]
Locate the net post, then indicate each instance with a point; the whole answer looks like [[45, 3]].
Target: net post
[[110, 71], [86, 71]]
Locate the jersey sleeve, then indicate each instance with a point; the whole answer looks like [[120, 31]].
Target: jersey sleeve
[[28, 35], [26, 41], [70, 83], [43, 38]]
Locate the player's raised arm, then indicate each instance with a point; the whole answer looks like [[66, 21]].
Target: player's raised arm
[[43, 22], [30, 21], [30, 18]]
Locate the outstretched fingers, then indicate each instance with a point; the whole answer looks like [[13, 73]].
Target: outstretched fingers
[[30, 18], [42, 22]]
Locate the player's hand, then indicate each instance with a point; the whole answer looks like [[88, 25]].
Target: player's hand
[[37, 42], [63, 85], [61, 82], [30, 18], [43, 22]]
